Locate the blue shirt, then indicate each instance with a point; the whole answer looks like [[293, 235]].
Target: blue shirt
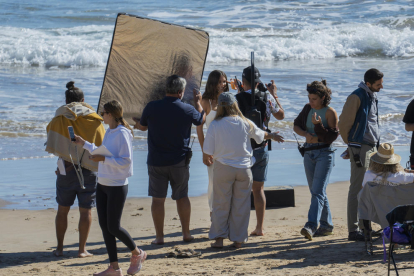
[[169, 124]]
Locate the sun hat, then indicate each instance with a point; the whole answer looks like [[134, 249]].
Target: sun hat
[[226, 98], [385, 155]]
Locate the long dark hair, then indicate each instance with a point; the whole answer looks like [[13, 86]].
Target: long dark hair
[[321, 89], [73, 94], [116, 110], [213, 80]]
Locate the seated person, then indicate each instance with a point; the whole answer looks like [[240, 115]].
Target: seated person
[[385, 168]]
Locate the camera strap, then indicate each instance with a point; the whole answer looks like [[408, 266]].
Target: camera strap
[[299, 146], [353, 151], [78, 170]]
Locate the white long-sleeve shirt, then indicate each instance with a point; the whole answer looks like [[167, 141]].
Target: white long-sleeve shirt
[[228, 140], [115, 170]]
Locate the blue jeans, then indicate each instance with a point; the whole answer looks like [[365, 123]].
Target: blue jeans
[[318, 166]]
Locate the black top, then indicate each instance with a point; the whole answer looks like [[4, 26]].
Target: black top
[[244, 97], [169, 124], [409, 119]]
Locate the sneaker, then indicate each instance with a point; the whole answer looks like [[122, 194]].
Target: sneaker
[[110, 272], [136, 262], [307, 233], [322, 231], [356, 236]]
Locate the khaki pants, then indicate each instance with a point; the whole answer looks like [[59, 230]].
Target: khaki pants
[[210, 186], [231, 203], [357, 176]]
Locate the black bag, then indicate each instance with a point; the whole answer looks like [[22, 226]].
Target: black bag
[[189, 154], [300, 147]]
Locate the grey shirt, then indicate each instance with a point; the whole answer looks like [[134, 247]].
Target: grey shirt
[[372, 130]]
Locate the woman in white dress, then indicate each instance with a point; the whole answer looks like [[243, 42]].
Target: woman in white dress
[[216, 84]]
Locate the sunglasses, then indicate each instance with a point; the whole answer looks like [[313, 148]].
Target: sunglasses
[[102, 113]]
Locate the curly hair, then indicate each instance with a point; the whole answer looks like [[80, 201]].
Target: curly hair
[[321, 89]]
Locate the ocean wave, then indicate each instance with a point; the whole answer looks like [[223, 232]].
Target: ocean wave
[[89, 45], [64, 47], [311, 43]]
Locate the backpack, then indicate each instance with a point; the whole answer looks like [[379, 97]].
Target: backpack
[[258, 116]]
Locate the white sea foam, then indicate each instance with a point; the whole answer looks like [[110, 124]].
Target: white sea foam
[[311, 43], [78, 46], [89, 45]]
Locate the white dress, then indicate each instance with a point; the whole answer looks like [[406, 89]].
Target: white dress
[[210, 117]]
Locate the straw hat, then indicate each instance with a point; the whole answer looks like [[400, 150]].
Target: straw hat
[[385, 155]]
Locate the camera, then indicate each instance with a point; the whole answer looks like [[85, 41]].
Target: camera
[[358, 161]]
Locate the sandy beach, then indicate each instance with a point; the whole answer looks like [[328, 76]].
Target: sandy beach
[[28, 239]]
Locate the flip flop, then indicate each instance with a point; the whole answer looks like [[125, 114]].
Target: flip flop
[[172, 254], [188, 253]]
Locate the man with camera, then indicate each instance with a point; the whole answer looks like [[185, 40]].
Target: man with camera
[[267, 104], [359, 128], [169, 122]]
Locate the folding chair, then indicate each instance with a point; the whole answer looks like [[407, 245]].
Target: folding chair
[[402, 214], [369, 236]]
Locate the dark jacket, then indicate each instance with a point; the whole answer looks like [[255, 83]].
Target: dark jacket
[[325, 135], [354, 118]]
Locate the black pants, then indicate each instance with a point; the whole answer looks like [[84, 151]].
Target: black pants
[[109, 204]]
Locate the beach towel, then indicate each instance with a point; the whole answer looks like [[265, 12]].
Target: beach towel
[[85, 122]]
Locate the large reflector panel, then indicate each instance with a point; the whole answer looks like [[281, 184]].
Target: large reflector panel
[[143, 54]]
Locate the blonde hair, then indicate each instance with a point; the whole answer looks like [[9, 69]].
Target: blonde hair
[[384, 170], [231, 110], [115, 109]]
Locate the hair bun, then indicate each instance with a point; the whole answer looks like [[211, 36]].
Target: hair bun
[[324, 82], [70, 85]]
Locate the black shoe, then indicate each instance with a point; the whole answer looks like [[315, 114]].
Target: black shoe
[[307, 233], [356, 236], [322, 231]]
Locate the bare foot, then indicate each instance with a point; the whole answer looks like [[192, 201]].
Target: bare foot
[[218, 243], [237, 244], [58, 253], [84, 254], [158, 241], [188, 239], [257, 232]]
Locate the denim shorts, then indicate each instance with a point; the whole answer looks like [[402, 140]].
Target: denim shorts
[[178, 176], [68, 188], [259, 169]]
